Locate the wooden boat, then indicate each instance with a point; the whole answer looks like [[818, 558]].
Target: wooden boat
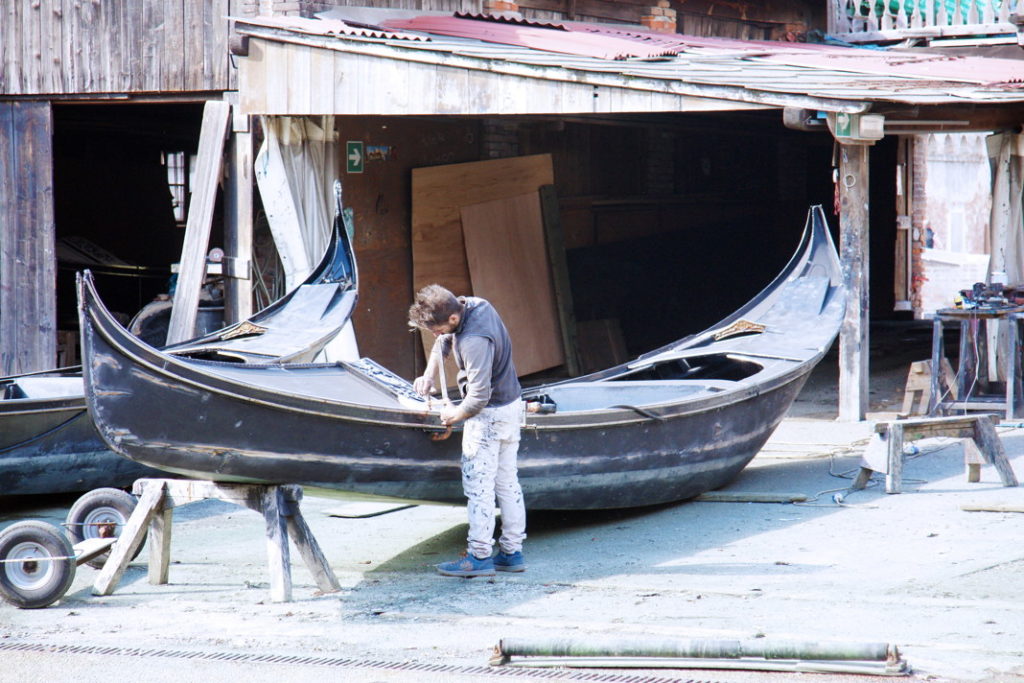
[[669, 425], [48, 443]]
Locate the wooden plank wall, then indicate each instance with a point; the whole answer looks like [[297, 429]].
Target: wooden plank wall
[[27, 265], [87, 46]]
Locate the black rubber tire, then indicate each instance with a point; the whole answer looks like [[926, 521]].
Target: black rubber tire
[[38, 582], [101, 513]]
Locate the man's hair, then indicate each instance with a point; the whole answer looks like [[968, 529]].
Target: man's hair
[[433, 306]]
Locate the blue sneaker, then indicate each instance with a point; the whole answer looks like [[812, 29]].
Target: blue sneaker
[[509, 562], [467, 567]]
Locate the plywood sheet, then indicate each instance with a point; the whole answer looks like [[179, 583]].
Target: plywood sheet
[[438, 194], [508, 266]]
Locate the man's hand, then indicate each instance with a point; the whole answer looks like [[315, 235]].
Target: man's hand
[[424, 386], [451, 414]]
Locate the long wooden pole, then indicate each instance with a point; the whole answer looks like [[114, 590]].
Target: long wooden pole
[[853, 253]]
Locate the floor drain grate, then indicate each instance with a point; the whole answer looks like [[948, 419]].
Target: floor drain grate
[[344, 662]]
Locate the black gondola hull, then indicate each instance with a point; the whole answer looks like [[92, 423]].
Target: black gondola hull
[[48, 442], [676, 422]]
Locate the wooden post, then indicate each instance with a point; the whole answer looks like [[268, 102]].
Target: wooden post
[[278, 556], [238, 222], [853, 252], [160, 544], [279, 506], [992, 449], [306, 544], [28, 262], [894, 477], [1014, 386], [130, 539], [192, 266]]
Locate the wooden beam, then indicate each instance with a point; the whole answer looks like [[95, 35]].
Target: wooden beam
[[853, 252], [192, 267], [238, 222], [28, 300]]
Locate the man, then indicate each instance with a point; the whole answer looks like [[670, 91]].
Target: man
[[491, 408]]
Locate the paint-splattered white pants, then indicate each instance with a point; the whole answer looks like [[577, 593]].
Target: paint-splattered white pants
[[490, 443]]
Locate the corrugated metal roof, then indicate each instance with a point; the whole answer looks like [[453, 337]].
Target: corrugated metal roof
[[729, 67]]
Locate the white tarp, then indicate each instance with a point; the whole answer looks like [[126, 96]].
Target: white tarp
[[295, 171]]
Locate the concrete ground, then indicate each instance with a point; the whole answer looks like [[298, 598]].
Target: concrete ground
[[914, 570]]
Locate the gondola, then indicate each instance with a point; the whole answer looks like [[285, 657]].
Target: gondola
[[673, 423], [48, 443]]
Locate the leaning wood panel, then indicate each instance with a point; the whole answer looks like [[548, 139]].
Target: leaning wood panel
[[27, 265], [200, 215], [508, 265], [439, 192]]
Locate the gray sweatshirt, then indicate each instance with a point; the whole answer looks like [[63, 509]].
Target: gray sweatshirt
[[483, 353]]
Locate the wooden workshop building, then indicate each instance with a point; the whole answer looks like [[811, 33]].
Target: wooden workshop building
[[672, 193]]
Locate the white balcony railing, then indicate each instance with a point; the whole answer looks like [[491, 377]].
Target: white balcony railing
[[861, 21]]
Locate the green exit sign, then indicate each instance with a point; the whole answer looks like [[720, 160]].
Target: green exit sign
[[354, 156]]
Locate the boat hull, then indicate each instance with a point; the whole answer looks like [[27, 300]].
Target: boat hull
[[57, 450], [48, 443], [672, 424], [627, 463]]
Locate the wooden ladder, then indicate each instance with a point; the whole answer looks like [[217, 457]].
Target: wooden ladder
[[157, 500], [884, 453]]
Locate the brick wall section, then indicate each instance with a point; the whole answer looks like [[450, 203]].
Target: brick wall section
[[499, 140], [661, 18], [503, 8], [918, 218]]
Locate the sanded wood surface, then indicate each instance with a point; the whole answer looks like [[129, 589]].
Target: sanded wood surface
[[508, 265]]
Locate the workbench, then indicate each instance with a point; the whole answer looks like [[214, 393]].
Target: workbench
[[974, 391]]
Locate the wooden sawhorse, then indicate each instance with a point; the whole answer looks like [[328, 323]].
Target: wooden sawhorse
[[885, 451], [158, 498]]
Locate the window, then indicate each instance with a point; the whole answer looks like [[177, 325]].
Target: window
[[177, 182]]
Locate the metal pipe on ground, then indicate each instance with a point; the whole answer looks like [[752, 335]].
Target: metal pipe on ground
[[762, 654]]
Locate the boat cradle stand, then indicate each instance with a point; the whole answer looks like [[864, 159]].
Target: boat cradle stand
[[884, 453], [157, 500]]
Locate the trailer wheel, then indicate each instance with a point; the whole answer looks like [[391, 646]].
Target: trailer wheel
[[37, 564], [100, 513]]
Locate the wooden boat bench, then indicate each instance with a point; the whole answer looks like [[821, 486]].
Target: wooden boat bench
[[158, 498], [884, 452]]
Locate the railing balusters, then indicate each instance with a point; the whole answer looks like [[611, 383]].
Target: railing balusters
[[962, 17], [901, 16]]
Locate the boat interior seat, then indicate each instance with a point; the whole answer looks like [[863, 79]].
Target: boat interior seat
[[48, 387], [605, 395]]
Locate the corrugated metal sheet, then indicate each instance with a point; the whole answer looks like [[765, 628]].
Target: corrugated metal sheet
[[728, 68]]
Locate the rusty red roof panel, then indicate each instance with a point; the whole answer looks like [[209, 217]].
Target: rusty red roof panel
[[548, 37], [328, 27]]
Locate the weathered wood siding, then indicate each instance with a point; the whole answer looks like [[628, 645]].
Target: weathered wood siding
[[27, 264], [62, 47]]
